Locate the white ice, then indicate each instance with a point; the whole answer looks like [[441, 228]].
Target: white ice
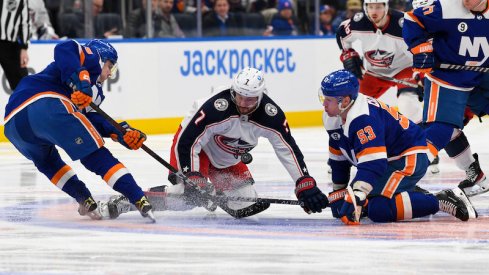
[[42, 233]]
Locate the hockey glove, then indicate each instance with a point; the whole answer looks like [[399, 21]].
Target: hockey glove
[[309, 194], [352, 62], [351, 210], [199, 191], [423, 57], [336, 199], [79, 82], [132, 138]]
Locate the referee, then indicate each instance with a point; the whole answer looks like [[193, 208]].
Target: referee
[[14, 39]]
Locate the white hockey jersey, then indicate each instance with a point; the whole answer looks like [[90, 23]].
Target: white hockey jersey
[[384, 50], [216, 127]]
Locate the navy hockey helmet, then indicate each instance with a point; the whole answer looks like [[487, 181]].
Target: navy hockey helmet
[[339, 83], [104, 50]]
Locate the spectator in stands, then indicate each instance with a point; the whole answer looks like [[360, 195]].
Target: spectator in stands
[[352, 7], [136, 20], [77, 26], [326, 17], [219, 22], [41, 28], [166, 25], [284, 22]]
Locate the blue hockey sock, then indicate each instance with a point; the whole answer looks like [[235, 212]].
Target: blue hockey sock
[[127, 186], [76, 189], [403, 206], [439, 134], [102, 163]]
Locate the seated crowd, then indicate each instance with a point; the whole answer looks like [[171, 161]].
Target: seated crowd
[[177, 18]]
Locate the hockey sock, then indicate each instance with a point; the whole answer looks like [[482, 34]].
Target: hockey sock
[[76, 189], [102, 163], [61, 175], [439, 134], [403, 206], [459, 150]]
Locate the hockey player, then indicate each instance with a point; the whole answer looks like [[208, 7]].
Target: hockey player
[[50, 108], [390, 153], [385, 55], [213, 143], [453, 32]]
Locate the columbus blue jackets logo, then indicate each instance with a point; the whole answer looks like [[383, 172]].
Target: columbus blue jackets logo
[[358, 16], [233, 146], [221, 104], [379, 58], [271, 109]]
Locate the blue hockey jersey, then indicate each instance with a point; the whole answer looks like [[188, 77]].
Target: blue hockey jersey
[[69, 57], [372, 135], [459, 37]]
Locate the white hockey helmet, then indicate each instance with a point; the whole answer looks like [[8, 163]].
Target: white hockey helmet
[[249, 82], [385, 2]]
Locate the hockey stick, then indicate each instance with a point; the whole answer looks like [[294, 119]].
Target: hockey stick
[[463, 68], [144, 147], [181, 175], [391, 79], [224, 199]]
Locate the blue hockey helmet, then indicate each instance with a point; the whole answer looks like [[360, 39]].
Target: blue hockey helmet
[[339, 83], [104, 50]]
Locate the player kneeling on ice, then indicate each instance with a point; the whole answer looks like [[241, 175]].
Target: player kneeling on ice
[[391, 156], [52, 108], [213, 144]]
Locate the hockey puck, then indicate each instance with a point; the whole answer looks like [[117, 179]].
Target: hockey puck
[[246, 158]]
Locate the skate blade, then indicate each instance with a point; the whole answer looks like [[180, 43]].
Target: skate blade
[[151, 216], [470, 208], [479, 188]]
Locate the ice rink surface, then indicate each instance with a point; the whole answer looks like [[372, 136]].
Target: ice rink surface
[[42, 233]]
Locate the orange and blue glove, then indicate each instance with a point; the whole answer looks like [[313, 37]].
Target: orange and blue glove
[[79, 82], [352, 207], [336, 199], [423, 57], [132, 138]]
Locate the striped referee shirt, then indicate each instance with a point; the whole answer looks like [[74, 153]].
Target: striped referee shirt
[[14, 22]]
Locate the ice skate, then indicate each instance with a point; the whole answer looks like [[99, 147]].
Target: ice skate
[[455, 202], [145, 208], [434, 165], [476, 182], [89, 208], [118, 204]]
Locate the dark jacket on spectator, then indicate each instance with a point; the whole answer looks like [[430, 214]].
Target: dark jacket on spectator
[[213, 26]]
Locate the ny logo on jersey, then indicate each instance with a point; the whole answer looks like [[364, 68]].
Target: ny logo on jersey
[[472, 49]]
